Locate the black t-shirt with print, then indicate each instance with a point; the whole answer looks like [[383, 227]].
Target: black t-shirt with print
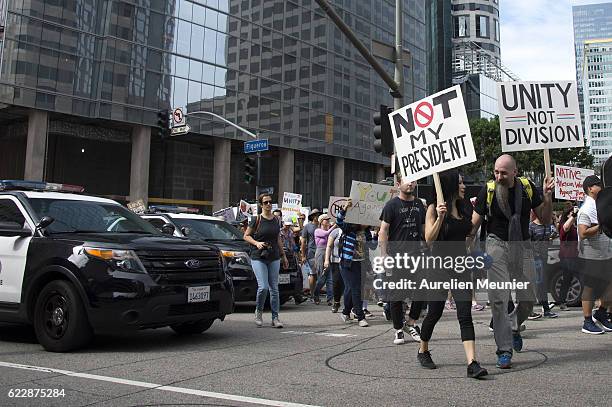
[[267, 232], [406, 220], [497, 223]]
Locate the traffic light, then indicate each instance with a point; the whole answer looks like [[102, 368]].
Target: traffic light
[[163, 123], [382, 131], [250, 169]]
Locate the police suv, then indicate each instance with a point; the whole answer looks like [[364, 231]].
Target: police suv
[[185, 222], [72, 265]]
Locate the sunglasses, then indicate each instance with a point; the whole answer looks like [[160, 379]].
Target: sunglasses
[[266, 202]]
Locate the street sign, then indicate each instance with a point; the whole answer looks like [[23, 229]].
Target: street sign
[[178, 131], [255, 146], [178, 118]]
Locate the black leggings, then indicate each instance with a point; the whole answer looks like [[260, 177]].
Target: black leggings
[[464, 315]]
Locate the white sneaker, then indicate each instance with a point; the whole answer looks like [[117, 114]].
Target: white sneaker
[[399, 337], [276, 323], [346, 318], [414, 331], [363, 323], [258, 318]]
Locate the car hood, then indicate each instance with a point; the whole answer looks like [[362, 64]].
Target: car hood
[[134, 241]]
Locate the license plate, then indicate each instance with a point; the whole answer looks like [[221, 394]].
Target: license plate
[[198, 294], [284, 278]]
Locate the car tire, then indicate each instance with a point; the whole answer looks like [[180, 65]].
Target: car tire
[[60, 319], [192, 328], [575, 290]]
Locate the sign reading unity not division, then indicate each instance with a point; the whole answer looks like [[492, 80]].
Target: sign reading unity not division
[[432, 135], [368, 201], [539, 115], [568, 182]]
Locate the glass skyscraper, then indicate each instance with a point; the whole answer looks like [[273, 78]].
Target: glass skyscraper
[[82, 81]]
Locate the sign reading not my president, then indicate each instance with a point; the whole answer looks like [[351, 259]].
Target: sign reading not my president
[[432, 135], [539, 115]]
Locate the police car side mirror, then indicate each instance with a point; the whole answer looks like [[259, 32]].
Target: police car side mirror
[[168, 229], [14, 229], [44, 222], [185, 231]]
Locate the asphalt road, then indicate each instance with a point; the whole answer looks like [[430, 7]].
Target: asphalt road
[[315, 360]]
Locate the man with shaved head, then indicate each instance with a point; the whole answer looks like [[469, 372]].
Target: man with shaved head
[[506, 203]]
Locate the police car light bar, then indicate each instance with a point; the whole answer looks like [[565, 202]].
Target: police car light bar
[[172, 209], [7, 185]]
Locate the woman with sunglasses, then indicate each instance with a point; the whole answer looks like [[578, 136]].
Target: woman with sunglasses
[[264, 234]]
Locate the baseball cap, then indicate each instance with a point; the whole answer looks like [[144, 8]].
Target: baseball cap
[[312, 213], [590, 181], [324, 217]]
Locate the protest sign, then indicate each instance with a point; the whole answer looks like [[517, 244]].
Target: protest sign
[[432, 135], [291, 204], [368, 202], [568, 182], [137, 207], [335, 204], [227, 214], [539, 115]]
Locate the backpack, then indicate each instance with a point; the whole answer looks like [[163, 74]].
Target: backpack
[[491, 191]]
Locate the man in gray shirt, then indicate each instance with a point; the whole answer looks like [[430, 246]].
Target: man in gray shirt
[[595, 255]]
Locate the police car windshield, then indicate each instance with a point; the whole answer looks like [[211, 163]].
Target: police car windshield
[[72, 216], [208, 229]]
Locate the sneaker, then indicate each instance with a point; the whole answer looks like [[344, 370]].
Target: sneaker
[[534, 315], [329, 303], [276, 323], [550, 314], [368, 314], [258, 318], [380, 303], [563, 307], [425, 360], [345, 318], [299, 299], [490, 328], [601, 319], [450, 305], [317, 301], [475, 371], [399, 337], [363, 323], [414, 331], [478, 307], [590, 327], [504, 361], [335, 307], [551, 305], [517, 342]]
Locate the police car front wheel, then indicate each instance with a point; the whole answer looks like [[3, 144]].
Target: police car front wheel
[[60, 320]]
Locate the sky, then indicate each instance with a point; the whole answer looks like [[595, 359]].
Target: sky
[[537, 38]]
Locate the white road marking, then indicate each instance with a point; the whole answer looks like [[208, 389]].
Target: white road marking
[[182, 390], [329, 334]]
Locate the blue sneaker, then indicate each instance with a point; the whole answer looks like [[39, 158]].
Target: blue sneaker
[[517, 342], [504, 361], [590, 327], [601, 319]]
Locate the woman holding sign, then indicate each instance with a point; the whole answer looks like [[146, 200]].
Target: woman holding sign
[[450, 221]]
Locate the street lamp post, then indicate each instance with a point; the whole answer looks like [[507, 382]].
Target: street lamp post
[[247, 132]]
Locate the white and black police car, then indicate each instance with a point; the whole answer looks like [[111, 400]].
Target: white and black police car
[[72, 265]]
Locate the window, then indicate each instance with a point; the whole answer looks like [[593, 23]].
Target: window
[[496, 28], [462, 26], [10, 213], [482, 26], [157, 222]]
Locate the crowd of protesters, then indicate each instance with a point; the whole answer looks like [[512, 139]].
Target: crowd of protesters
[[516, 223]]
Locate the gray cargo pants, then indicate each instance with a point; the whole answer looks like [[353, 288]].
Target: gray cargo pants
[[501, 271]]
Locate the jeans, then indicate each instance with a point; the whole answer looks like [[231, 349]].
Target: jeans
[[351, 274], [306, 271], [500, 271], [569, 267], [267, 280], [325, 278]]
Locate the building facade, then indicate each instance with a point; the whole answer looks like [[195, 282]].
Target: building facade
[[591, 22], [597, 96], [82, 81]]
